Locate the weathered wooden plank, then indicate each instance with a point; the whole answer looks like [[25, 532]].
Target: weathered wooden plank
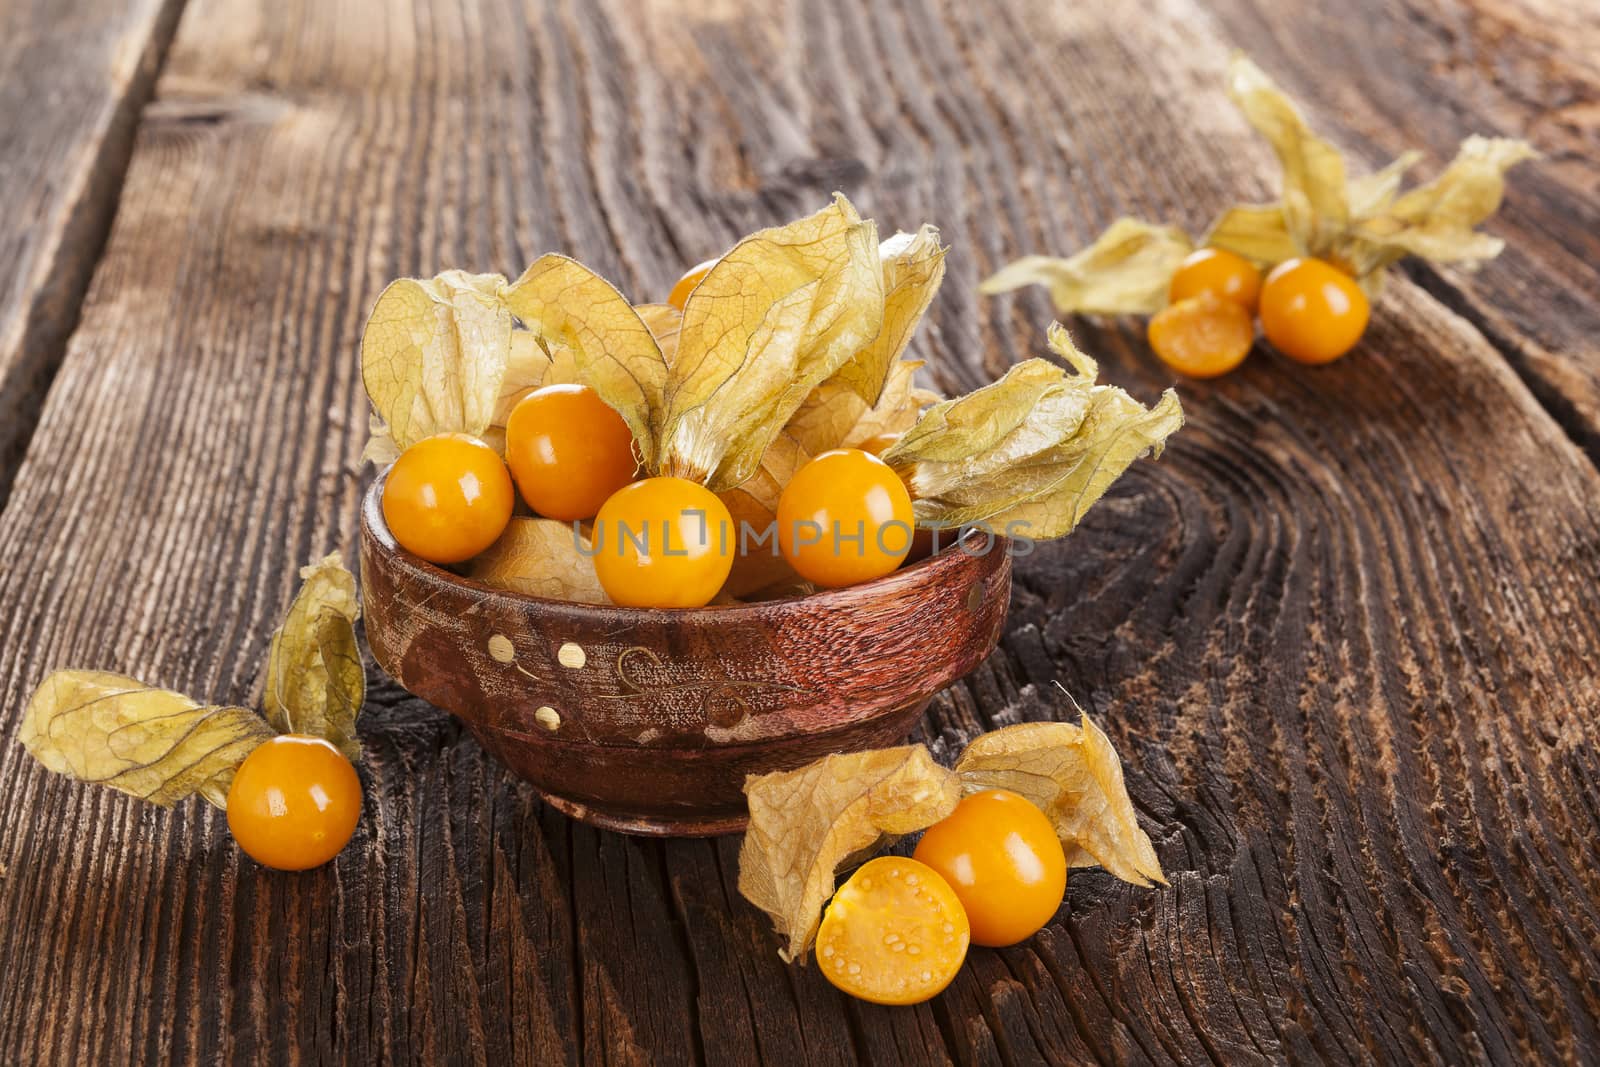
[[1418, 75], [73, 77], [1342, 632]]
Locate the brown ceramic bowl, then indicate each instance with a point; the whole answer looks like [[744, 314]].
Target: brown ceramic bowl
[[647, 721]]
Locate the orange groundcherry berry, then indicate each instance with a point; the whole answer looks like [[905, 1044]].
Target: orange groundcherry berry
[[294, 802], [845, 517], [1202, 336], [880, 443], [1312, 311], [1003, 859], [1217, 271], [685, 285], [663, 543], [568, 451], [894, 933], [447, 498]]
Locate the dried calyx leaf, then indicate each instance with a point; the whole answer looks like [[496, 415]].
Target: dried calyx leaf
[[543, 558], [162, 746], [805, 824], [314, 682], [151, 743], [1438, 220], [446, 355], [913, 267], [1031, 453], [569, 307], [833, 416], [531, 364], [1315, 207], [1126, 271], [433, 356], [1362, 224], [1073, 774], [778, 314], [664, 322]]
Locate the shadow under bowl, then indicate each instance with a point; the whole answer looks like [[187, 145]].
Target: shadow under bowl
[[647, 721]]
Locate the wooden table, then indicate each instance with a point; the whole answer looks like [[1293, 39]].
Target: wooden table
[[1346, 633]]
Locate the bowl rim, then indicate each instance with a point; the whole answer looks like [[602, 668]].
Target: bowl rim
[[952, 560]]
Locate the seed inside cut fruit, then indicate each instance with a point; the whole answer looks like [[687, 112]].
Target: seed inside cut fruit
[[894, 933], [1202, 336]]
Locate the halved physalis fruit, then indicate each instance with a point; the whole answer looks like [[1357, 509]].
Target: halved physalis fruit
[[1224, 274], [894, 933], [685, 285], [1203, 336]]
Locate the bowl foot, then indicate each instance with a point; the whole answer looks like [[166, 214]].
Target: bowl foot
[[712, 824]]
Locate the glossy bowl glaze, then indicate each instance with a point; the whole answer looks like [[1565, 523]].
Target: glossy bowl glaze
[[647, 721]]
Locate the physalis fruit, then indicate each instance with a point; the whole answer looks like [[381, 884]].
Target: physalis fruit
[[1226, 275], [845, 517], [294, 802], [284, 775], [894, 933], [1312, 311], [1202, 336], [568, 451], [447, 498], [1002, 858], [663, 543], [685, 285]]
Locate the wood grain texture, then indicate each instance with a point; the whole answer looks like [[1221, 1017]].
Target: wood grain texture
[[74, 76], [1343, 633], [1422, 75]]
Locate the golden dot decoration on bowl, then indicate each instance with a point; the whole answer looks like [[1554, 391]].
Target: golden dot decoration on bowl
[[572, 656], [501, 650], [548, 717]]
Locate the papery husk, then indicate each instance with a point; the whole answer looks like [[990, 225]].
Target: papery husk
[[913, 267], [1363, 225], [758, 565], [1031, 453], [154, 744], [664, 322], [1126, 271], [446, 354], [1437, 220], [314, 682], [778, 314], [433, 356], [543, 558], [161, 746], [806, 824], [833, 416], [1073, 775], [1315, 207]]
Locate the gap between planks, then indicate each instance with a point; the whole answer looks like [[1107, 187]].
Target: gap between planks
[[52, 313]]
